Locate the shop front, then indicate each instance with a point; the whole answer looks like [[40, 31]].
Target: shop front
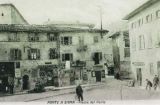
[[49, 75], [7, 74], [99, 73]]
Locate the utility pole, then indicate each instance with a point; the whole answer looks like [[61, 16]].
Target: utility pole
[[59, 59], [101, 22]]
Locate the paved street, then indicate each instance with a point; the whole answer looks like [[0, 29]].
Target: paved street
[[114, 90]]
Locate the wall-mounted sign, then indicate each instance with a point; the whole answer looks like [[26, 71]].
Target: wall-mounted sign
[[67, 65], [138, 63], [17, 73]]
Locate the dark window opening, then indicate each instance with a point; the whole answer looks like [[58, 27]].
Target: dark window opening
[[2, 14], [67, 57], [33, 37], [97, 57], [17, 64], [126, 38], [66, 40]]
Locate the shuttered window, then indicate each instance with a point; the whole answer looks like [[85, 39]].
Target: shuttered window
[[34, 54], [67, 57], [97, 57], [53, 54], [66, 40], [51, 37], [15, 54], [33, 37], [14, 37]]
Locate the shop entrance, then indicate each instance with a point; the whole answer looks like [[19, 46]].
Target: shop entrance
[[7, 69], [139, 76], [25, 82], [49, 75], [98, 76]]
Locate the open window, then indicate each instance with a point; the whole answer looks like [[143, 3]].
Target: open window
[[97, 57], [34, 54], [67, 57], [66, 40]]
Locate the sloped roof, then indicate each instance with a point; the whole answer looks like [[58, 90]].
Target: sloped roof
[[43, 28], [141, 8], [10, 4]]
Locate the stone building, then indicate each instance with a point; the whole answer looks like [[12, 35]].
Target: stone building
[[144, 34], [9, 14], [121, 53], [51, 54]]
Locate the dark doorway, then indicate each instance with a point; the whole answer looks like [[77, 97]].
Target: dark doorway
[[96, 58], [111, 71], [6, 69], [139, 76], [25, 82], [98, 76]]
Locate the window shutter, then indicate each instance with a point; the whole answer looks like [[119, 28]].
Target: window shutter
[[19, 55], [48, 36], [62, 40], [29, 53], [56, 53], [100, 56], [11, 54], [71, 57], [70, 40], [63, 57], [37, 37], [50, 53], [38, 53], [93, 56], [29, 38]]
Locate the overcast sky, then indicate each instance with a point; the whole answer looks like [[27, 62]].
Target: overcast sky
[[85, 11]]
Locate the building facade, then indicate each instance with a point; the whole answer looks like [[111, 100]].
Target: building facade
[[51, 54], [121, 53], [86, 59], [9, 14], [144, 40]]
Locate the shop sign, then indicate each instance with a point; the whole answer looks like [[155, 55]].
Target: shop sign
[[17, 73], [138, 63], [67, 66]]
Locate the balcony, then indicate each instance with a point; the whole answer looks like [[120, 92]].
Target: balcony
[[78, 63], [82, 48]]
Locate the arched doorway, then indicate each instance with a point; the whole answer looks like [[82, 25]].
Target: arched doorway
[[25, 82]]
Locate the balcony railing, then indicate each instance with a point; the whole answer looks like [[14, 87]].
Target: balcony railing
[[82, 48]]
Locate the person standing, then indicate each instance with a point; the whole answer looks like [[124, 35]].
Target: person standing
[[149, 84], [11, 84], [155, 82], [79, 92]]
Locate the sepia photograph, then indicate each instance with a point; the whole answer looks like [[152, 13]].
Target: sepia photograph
[[79, 51]]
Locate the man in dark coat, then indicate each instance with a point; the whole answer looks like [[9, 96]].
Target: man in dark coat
[[155, 82], [79, 92], [149, 84]]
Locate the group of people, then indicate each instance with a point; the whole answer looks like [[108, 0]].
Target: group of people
[[155, 84]]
